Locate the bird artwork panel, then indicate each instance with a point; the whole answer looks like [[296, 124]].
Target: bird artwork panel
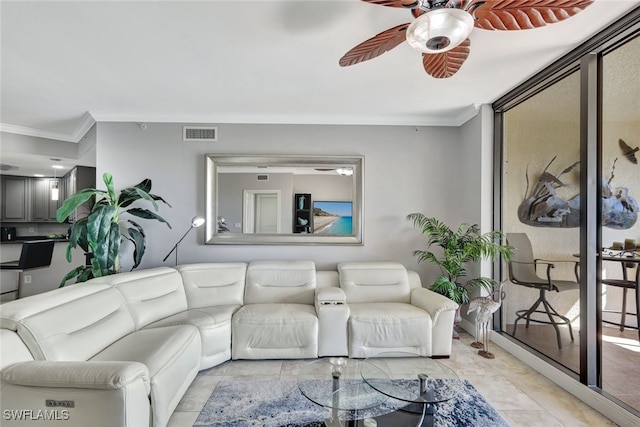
[[544, 206]]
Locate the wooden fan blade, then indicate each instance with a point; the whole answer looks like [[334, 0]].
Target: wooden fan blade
[[408, 4], [375, 46], [525, 14], [446, 64]]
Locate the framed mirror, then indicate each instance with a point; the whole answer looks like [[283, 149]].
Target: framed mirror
[[265, 199]]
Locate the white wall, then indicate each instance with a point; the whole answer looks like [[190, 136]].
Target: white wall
[[407, 169]]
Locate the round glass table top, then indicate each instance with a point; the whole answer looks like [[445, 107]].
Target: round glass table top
[[337, 383], [411, 378]]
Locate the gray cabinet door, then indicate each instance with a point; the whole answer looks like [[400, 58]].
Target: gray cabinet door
[[44, 207], [79, 178], [14, 198]]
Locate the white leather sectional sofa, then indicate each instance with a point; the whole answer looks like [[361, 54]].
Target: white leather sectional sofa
[[122, 350]]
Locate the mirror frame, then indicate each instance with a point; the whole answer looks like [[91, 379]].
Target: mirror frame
[[213, 161]]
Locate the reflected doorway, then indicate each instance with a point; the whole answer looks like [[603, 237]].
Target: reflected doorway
[[262, 214]]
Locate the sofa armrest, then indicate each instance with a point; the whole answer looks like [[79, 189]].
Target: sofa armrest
[[442, 311], [333, 316], [76, 394], [330, 296], [89, 375], [432, 302]]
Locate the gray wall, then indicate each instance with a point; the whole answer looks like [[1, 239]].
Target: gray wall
[[433, 170], [475, 182]]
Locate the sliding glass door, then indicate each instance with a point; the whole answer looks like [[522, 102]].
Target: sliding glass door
[[620, 227], [541, 201], [568, 196]]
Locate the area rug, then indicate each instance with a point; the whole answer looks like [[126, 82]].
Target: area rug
[[280, 404]]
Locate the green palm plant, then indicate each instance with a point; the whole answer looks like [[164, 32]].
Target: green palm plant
[[460, 246], [101, 233]]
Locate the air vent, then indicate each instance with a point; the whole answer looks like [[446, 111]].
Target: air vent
[[199, 133], [262, 177]]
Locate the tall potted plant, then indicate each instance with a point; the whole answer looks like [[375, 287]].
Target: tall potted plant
[[460, 246], [101, 233]]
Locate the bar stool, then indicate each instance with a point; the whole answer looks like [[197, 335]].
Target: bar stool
[[36, 254], [625, 284], [522, 271]]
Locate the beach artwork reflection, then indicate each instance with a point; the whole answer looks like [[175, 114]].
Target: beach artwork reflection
[[332, 218]]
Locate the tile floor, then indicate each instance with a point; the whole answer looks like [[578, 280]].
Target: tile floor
[[521, 395], [620, 356]]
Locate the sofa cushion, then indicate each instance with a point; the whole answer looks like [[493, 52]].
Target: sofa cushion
[[268, 331], [380, 327], [78, 328], [374, 282], [280, 282], [151, 294], [211, 284], [172, 355], [214, 325]]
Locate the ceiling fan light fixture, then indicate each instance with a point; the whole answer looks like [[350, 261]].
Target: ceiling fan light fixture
[[439, 30]]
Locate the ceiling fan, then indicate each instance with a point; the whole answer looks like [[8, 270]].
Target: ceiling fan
[[441, 28]]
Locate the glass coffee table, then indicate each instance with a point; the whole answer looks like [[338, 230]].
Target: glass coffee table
[[336, 383], [389, 390], [413, 384]]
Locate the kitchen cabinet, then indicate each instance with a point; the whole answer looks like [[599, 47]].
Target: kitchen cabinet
[[44, 207], [14, 199], [25, 199]]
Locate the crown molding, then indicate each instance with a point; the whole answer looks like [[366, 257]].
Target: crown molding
[[467, 114], [89, 119], [80, 131], [457, 119]]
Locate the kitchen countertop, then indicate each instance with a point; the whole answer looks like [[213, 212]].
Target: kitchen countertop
[[22, 239]]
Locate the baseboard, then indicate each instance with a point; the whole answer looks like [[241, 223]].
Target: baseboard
[[597, 401]]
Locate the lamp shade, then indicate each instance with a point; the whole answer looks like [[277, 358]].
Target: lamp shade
[[439, 30], [197, 221]]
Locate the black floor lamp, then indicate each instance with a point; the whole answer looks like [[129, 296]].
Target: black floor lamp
[[196, 222]]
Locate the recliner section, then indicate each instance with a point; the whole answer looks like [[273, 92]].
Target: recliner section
[[132, 343], [278, 319]]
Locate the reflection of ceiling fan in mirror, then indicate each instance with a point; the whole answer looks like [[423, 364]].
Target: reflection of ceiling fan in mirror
[[441, 28], [344, 171]]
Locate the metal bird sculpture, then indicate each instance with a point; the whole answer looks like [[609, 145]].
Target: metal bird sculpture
[[629, 153], [484, 308]]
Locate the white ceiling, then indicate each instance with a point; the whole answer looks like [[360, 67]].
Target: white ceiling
[[67, 63]]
